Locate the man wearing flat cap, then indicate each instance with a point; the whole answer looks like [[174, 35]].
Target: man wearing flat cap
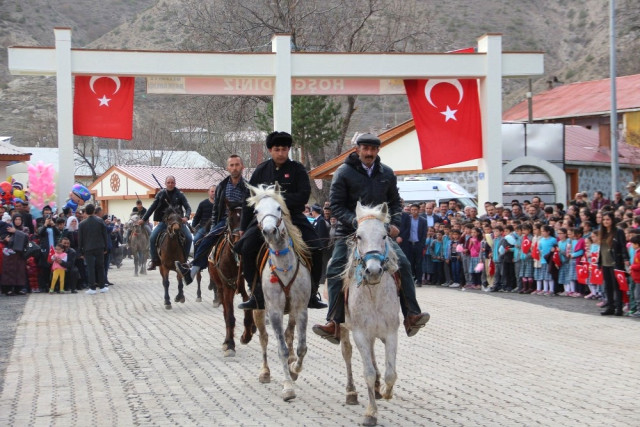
[[364, 178], [296, 189]]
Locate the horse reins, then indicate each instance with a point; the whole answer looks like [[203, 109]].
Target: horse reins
[[362, 260]]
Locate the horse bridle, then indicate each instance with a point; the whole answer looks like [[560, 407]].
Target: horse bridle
[[278, 221], [377, 255]]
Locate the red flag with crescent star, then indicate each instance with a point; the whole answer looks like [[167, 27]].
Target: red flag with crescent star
[[621, 278], [582, 272], [446, 113], [597, 277], [103, 106]]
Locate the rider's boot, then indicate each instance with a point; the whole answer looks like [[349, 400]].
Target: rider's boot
[[153, 263], [256, 302], [314, 300], [184, 271]]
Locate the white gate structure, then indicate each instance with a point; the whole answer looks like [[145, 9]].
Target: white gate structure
[[281, 74]]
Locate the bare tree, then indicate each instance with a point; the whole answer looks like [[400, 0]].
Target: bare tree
[[314, 25]]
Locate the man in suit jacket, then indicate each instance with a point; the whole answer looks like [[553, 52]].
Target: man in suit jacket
[[430, 215], [415, 241], [92, 245]]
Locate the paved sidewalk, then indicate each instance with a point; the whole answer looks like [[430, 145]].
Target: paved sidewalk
[[120, 358]]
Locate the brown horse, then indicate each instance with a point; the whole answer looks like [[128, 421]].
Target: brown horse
[[170, 250], [225, 273]]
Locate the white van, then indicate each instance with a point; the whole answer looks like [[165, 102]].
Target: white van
[[415, 190]]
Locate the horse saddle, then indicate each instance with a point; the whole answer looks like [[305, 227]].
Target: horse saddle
[[216, 250]]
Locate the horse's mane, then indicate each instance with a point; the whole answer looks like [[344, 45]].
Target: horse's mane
[[168, 212], [392, 259], [263, 191]]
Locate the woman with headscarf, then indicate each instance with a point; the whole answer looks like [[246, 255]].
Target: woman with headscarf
[[14, 265], [71, 232]]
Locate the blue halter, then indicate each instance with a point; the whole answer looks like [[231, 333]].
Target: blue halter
[[381, 257]]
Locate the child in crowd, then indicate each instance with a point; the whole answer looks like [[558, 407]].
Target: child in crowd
[[508, 253], [633, 302], [537, 263], [57, 269], [593, 250], [474, 245], [427, 261], [446, 265], [437, 256], [465, 254], [575, 251], [564, 246], [498, 283], [455, 259], [526, 261], [635, 270], [487, 249], [546, 244]]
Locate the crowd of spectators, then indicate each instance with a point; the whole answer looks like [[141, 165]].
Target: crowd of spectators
[[42, 254], [585, 250]]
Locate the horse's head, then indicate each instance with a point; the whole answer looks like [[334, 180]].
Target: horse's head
[[270, 210], [173, 220], [233, 220], [372, 249]]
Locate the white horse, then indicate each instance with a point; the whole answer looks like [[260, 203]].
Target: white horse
[[286, 282], [372, 306]]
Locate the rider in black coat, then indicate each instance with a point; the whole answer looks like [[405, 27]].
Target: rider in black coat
[[363, 178], [296, 189]]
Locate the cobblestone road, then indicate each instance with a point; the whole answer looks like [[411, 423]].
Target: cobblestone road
[[120, 358]]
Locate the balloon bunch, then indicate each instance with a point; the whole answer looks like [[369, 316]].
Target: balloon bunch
[[42, 186]]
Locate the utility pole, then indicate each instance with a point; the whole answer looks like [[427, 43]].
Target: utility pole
[[614, 108]]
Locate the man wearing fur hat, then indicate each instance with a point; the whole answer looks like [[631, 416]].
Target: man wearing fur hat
[[363, 178], [296, 189]]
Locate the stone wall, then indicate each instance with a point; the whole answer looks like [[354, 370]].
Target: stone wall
[[591, 178]]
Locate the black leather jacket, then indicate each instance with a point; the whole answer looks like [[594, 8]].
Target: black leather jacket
[[351, 184], [163, 200], [219, 208]]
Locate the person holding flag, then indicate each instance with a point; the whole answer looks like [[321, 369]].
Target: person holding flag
[[613, 256]]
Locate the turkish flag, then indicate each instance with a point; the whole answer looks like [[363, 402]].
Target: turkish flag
[[582, 272], [596, 275], [526, 245], [593, 258], [103, 106], [621, 278], [447, 119], [535, 252], [52, 252], [556, 258]]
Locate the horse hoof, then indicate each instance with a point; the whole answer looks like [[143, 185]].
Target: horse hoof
[[352, 398], [143, 272], [216, 304], [246, 338], [230, 353], [180, 299], [265, 378], [167, 306], [369, 421], [198, 299], [289, 394], [387, 393], [136, 274]]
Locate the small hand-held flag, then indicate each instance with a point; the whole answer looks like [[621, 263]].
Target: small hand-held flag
[[596, 275], [621, 278], [582, 272], [103, 106]]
